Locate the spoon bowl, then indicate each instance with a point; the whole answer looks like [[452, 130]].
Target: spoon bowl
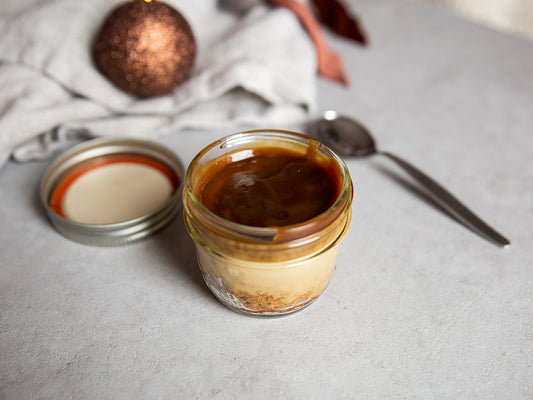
[[347, 136], [350, 138]]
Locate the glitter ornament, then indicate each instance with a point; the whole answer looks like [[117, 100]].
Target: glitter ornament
[[146, 48]]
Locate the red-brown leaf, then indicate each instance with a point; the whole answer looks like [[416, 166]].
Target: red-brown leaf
[[333, 14]]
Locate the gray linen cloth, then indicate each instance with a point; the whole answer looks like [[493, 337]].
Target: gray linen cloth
[[255, 66]]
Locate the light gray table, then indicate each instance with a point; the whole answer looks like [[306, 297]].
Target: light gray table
[[419, 306]]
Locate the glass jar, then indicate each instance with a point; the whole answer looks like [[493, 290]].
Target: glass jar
[[266, 270]]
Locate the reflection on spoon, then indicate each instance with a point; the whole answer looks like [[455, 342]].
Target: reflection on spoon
[[350, 138]]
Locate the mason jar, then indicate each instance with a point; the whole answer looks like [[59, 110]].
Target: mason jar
[[267, 210]]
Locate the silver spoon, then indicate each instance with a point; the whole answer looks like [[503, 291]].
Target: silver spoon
[[349, 138]]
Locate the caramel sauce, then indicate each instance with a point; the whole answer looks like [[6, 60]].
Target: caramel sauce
[[269, 187]]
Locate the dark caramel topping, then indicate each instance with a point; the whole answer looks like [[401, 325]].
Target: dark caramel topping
[[269, 187]]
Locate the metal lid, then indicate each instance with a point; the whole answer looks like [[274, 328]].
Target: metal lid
[[112, 191]]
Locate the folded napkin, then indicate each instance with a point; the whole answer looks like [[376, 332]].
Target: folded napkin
[[255, 65]]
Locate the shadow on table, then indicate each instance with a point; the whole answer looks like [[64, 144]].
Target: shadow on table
[[172, 243], [177, 246], [411, 187]]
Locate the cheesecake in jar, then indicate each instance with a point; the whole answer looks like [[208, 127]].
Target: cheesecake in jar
[[267, 210]]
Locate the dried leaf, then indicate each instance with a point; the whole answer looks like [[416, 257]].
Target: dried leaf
[[333, 14], [330, 64]]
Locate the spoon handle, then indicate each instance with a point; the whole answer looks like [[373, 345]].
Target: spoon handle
[[450, 203]]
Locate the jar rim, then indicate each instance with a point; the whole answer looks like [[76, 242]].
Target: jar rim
[[277, 234]]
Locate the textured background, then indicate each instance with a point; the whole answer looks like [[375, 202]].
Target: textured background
[[419, 307]]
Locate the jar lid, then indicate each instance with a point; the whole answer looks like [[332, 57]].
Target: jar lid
[[112, 191]]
